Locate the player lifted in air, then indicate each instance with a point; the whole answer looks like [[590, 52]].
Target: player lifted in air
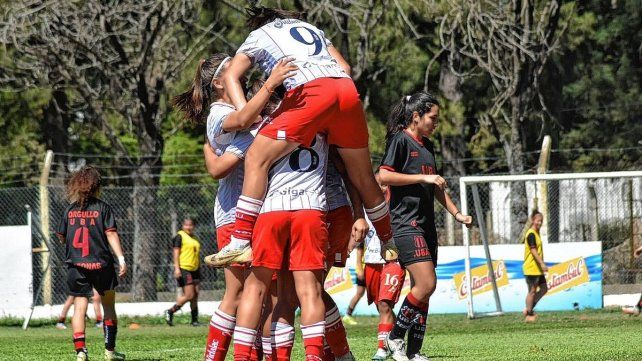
[[408, 168], [88, 229], [320, 97]]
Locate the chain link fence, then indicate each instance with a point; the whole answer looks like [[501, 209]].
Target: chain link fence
[[608, 210], [579, 210]]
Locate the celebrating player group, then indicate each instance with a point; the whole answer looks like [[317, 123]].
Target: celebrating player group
[[296, 193]]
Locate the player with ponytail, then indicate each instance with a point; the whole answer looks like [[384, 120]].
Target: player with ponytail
[[208, 101], [409, 169]]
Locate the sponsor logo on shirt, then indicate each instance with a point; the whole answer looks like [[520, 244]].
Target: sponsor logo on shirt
[[414, 153]]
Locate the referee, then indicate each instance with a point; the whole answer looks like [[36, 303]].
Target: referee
[[186, 251]]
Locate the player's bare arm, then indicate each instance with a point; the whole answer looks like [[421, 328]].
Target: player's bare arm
[[114, 242], [219, 167], [445, 200], [334, 52], [360, 227], [392, 178], [248, 111], [539, 259]]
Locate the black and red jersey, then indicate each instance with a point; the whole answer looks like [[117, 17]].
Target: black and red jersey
[[411, 206], [85, 233]]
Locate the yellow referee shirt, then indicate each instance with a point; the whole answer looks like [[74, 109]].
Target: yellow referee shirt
[[531, 267], [189, 256]]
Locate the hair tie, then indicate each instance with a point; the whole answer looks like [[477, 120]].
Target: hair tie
[[218, 70], [407, 97]]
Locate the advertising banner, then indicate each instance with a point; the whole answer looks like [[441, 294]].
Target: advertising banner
[[574, 279]]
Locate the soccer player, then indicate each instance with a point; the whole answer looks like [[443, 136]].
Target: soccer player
[[320, 97], [635, 310], [224, 152], [408, 168], [361, 285], [384, 280], [88, 228], [98, 311], [291, 234], [534, 267], [186, 254]]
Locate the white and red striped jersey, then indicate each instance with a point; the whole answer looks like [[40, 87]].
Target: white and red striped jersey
[[297, 181], [237, 143], [372, 249], [335, 190], [304, 42]]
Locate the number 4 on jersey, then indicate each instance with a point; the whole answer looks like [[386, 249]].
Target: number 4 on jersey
[[81, 240]]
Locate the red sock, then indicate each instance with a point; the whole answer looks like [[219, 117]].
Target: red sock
[[257, 350], [380, 218], [283, 335], [313, 340], [335, 333], [79, 341], [247, 211], [383, 331], [243, 343], [220, 336]]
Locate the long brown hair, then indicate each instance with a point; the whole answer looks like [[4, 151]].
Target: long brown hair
[[83, 184], [258, 16], [198, 97]]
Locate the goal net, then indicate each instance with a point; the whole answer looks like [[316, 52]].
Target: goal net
[[586, 217]]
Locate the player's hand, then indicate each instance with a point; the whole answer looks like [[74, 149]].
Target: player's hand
[[177, 273], [638, 252], [464, 219], [360, 229], [282, 70], [352, 244], [122, 270], [437, 180]]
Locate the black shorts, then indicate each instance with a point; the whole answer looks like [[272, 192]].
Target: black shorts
[[415, 248], [81, 281], [533, 281], [189, 278]]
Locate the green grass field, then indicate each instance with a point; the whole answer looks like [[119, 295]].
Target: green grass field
[[587, 335]]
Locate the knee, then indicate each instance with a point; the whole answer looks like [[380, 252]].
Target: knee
[[384, 308], [424, 291]]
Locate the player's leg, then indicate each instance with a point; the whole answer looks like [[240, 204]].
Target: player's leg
[[348, 130], [360, 291], [248, 315], [391, 280], [193, 303], [78, 324], [63, 314], [335, 332], [264, 344], [105, 282], [282, 329], [97, 302], [187, 294], [530, 296], [542, 288], [309, 290], [413, 312], [224, 318]]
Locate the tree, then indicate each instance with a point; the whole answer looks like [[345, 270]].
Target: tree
[[115, 60], [510, 42]]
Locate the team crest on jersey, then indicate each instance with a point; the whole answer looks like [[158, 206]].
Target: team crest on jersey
[[278, 24]]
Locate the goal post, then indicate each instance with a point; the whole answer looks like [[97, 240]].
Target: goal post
[[629, 183]]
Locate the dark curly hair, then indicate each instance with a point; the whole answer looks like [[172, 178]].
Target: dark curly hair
[[83, 185], [258, 16]]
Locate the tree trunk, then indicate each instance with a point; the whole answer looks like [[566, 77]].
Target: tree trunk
[[453, 146], [145, 253], [515, 157], [55, 129]]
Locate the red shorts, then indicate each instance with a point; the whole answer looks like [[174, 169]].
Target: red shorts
[[384, 282], [223, 234], [323, 105], [339, 231], [298, 237]]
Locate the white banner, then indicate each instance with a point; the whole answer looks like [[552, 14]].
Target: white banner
[[16, 291]]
